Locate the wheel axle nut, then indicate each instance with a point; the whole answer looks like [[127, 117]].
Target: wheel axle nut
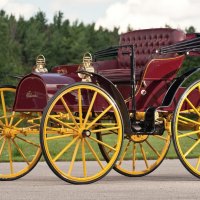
[[87, 133]]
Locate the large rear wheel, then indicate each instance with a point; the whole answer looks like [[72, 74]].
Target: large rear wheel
[[69, 127], [141, 154], [186, 129], [19, 138]]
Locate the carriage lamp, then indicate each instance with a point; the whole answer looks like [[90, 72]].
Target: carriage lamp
[[86, 66], [40, 65]]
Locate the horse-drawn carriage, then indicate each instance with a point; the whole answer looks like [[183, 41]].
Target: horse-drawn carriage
[[118, 110]]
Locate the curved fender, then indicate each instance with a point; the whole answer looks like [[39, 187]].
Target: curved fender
[[35, 89], [114, 92], [178, 82]]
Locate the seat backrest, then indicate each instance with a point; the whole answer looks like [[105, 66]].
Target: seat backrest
[[146, 42]]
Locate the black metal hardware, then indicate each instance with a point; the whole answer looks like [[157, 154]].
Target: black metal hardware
[[148, 126], [113, 51], [182, 47]]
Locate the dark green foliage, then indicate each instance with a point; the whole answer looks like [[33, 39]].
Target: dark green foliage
[[10, 54], [191, 61], [61, 42]]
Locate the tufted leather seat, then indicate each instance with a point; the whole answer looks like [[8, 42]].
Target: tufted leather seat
[[145, 44]]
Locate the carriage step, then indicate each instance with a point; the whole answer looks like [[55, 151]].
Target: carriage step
[[148, 126]]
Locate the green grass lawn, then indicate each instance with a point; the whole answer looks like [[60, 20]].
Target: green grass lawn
[[57, 146], [171, 153]]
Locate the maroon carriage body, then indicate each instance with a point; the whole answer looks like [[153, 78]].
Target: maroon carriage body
[[34, 90], [154, 72]]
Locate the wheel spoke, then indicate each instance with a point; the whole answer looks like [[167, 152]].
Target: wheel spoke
[[110, 150], [83, 157], [144, 156], [106, 124], [94, 154], [59, 137], [154, 150], [20, 151], [134, 156], [80, 107], [102, 143], [191, 148], [10, 156], [160, 137], [70, 113], [4, 107], [73, 157], [99, 117], [105, 129], [62, 123], [124, 153], [12, 117], [1, 137], [192, 106], [29, 142], [189, 120], [198, 163], [1, 123], [65, 149], [188, 134], [2, 146], [104, 134], [18, 122], [89, 109], [184, 122]]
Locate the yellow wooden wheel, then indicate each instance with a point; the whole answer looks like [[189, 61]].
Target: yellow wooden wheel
[[19, 138], [141, 154], [186, 129], [69, 128]]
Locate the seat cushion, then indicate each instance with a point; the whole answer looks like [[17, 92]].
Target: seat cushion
[[146, 42]]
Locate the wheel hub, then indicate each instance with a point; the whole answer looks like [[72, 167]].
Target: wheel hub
[[86, 133], [8, 132], [139, 138]]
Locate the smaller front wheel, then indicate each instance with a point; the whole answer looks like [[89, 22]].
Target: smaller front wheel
[[19, 138], [186, 129], [69, 128]]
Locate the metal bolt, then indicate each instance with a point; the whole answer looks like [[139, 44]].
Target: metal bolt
[[143, 92], [87, 133]]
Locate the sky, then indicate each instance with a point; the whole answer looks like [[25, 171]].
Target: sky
[[137, 14]]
